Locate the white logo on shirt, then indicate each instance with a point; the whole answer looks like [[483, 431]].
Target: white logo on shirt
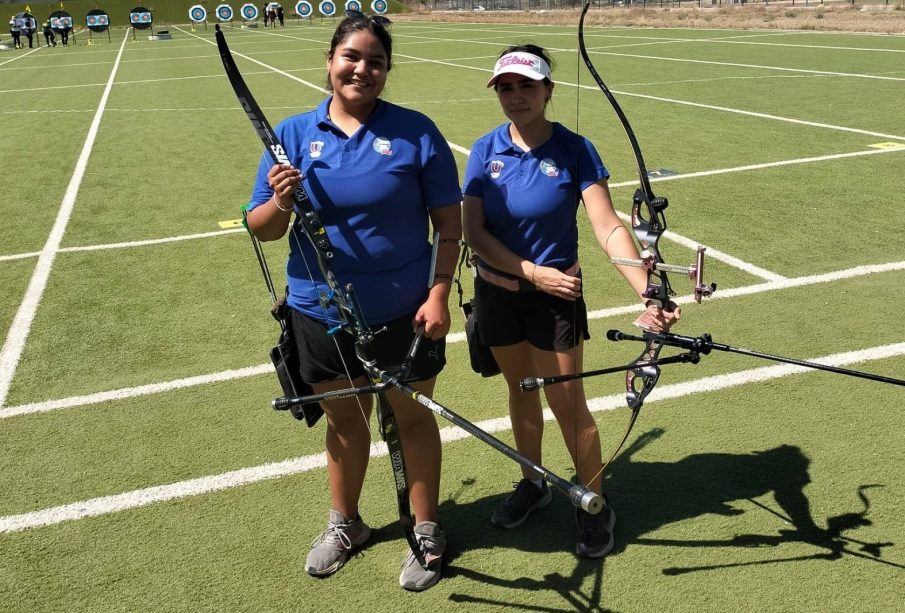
[[315, 147], [382, 146], [548, 167], [496, 167]]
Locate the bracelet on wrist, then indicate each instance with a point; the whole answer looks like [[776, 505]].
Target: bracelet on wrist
[[276, 203]]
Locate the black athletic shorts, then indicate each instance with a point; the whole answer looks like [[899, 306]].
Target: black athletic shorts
[[547, 322], [320, 361]]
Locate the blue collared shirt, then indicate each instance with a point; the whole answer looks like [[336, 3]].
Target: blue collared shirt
[[372, 191], [531, 198]]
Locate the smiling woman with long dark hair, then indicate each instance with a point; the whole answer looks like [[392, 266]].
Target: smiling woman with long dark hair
[[379, 176]]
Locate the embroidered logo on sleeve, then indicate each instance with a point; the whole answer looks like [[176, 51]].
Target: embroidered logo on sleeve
[[382, 146], [496, 167], [548, 167], [315, 147]]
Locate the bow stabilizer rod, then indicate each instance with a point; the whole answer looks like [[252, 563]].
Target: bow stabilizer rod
[[704, 344]]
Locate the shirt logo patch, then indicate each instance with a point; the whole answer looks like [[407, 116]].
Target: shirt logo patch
[[382, 146], [548, 167], [315, 147], [496, 167]]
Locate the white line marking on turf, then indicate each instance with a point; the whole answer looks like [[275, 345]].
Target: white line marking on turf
[[712, 107], [126, 245], [452, 145], [457, 337], [756, 66], [133, 392], [125, 501], [19, 57], [261, 64], [18, 332]]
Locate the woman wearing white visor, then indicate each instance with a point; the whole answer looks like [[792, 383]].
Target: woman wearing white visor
[[523, 185]]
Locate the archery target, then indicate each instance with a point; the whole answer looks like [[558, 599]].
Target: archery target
[[249, 12], [225, 12], [140, 18], [60, 20], [97, 20], [353, 5], [28, 19], [327, 8], [303, 8], [379, 6], [198, 13]]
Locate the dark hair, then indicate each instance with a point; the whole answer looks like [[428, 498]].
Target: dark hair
[[533, 50], [350, 25]]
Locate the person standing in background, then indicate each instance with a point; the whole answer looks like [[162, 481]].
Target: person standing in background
[[16, 31], [29, 27], [49, 38]]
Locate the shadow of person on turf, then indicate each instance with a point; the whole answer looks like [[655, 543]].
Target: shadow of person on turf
[[649, 495]]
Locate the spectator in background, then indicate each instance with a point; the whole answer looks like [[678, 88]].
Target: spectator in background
[[29, 29], [266, 14], [15, 28], [49, 39], [280, 15], [64, 31]]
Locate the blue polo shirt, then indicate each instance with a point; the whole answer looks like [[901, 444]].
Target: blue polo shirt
[[372, 192], [531, 198]]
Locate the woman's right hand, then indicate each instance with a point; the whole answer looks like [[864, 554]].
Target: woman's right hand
[[556, 283], [284, 180]]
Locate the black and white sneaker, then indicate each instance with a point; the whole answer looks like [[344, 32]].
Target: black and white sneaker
[[519, 504]]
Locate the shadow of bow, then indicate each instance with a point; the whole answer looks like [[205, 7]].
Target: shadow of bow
[[649, 495]]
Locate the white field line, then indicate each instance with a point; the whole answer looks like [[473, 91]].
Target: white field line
[[134, 392], [104, 505], [712, 107], [18, 333], [313, 86], [19, 57], [452, 145], [126, 245], [219, 75], [458, 337], [855, 75], [713, 253], [600, 50]]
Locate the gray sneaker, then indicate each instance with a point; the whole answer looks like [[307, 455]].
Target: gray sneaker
[[595, 532], [330, 550], [433, 543], [519, 504]]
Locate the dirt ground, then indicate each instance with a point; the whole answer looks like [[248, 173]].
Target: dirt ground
[[877, 18]]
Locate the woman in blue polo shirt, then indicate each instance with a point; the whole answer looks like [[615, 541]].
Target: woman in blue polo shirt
[[523, 184], [379, 175]]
